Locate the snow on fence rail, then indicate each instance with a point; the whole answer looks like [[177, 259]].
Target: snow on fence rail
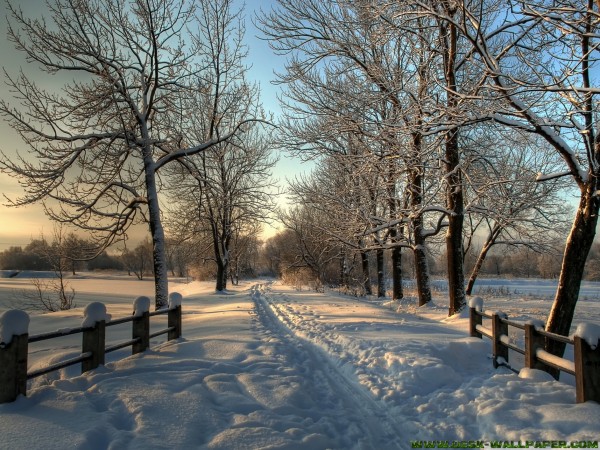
[[585, 342], [14, 340]]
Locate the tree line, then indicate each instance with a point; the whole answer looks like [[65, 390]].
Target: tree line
[[437, 121]]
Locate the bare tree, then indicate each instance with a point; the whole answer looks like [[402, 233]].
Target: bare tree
[[337, 107], [310, 249], [138, 260], [96, 148], [507, 204], [553, 97], [226, 188], [52, 294], [344, 191]]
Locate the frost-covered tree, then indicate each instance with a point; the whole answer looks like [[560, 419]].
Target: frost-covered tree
[[96, 146], [343, 78], [346, 195], [540, 58], [139, 259], [506, 205], [309, 249]]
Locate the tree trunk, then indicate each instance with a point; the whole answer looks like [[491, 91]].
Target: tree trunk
[[380, 274], [456, 277], [394, 234], [454, 188], [397, 291], [221, 276], [364, 258], [476, 269], [577, 248], [415, 189], [420, 258], [343, 271], [161, 281], [489, 242], [422, 275]]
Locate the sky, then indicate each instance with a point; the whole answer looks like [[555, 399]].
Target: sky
[[19, 225]]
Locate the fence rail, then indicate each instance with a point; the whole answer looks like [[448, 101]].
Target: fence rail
[[586, 364], [14, 353]]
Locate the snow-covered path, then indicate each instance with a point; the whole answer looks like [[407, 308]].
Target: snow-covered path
[[362, 420], [264, 366]]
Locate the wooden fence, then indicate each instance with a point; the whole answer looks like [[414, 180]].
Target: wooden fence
[[586, 364], [13, 356]]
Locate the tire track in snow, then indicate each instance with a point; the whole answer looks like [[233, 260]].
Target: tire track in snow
[[379, 428]]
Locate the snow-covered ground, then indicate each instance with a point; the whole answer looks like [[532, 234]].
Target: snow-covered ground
[[265, 366]]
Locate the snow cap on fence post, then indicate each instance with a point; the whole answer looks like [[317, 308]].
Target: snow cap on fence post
[[537, 323], [141, 305], [590, 333], [13, 323], [94, 312], [477, 303], [175, 299]]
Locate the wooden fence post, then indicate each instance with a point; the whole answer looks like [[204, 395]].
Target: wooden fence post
[[533, 341], [174, 320], [13, 368], [474, 320], [141, 331], [499, 328], [587, 371], [174, 317], [94, 342]]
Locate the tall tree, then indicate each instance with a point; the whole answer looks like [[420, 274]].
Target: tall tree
[[227, 188], [96, 148], [553, 97]]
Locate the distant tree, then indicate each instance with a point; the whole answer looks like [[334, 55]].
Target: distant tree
[[311, 251], [549, 262], [276, 253], [37, 251], [522, 262], [52, 294], [180, 255], [105, 261], [244, 253], [15, 258], [138, 260]]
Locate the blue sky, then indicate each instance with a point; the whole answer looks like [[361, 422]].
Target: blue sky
[[19, 225]]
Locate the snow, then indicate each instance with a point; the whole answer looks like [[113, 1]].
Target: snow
[[563, 363], [477, 303], [141, 305], [175, 299], [535, 375], [590, 333], [94, 312], [13, 323], [268, 366]]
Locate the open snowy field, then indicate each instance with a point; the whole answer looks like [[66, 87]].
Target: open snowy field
[[265, 366]]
